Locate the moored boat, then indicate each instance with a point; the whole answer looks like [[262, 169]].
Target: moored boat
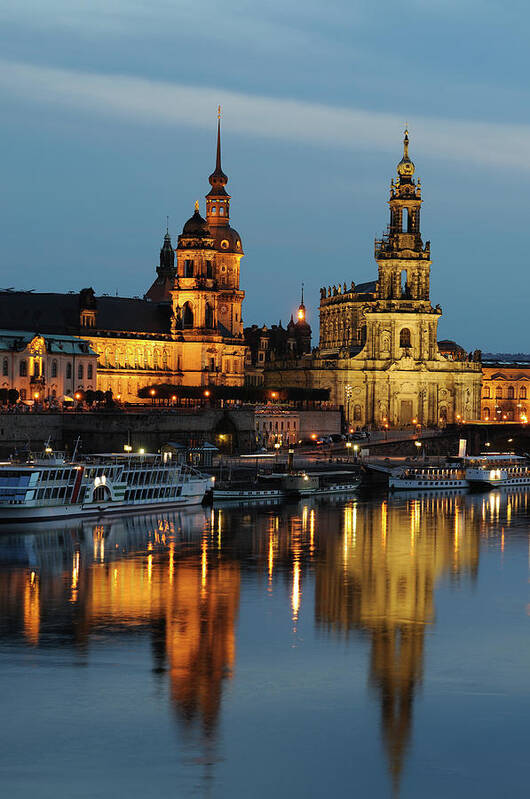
[[284, 486], [480, 472], [53, 487]]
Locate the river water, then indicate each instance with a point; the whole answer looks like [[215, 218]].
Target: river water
[[368, 647]]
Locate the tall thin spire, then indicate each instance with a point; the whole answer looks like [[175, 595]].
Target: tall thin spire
[[406, 144], [301, 308], [218, 159], [218, 179]]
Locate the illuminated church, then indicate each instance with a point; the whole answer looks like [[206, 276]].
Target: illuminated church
[[187, 330], [378, 350]]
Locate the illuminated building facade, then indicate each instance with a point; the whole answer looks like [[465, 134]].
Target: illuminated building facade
[[187, 330], [45, 366], [505, 391], [265, 345], [378, 351]]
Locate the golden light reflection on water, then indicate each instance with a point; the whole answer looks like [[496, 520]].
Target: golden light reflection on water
[[375, 567], [31, 608]]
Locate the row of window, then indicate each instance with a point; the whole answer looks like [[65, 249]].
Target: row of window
[[39, 371], [269, 426], [189, 268], [137, 494], [499, 393], [147, 359], [150, 477]]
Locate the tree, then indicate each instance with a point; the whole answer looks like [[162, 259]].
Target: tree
[[12, 396]]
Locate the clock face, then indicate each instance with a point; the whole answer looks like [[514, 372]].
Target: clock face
[[223, 309]]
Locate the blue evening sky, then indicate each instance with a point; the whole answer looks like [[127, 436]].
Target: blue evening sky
[[109, 113]]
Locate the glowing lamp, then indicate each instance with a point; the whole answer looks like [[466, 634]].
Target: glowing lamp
[[206, 393]]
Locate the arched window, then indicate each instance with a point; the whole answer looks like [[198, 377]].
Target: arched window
[[404, 338], [510, 392], [68, 371], [498, 392], [80, 371], [209, 315], [188, 268], [5, 367], [187, 315], [214, 209], [406, 220], [487, 392], [89, 371], [221, 210], [522, 392], [209, 269], [23, 369], [54, 368]]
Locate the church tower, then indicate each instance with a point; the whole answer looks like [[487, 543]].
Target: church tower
[[404, 262], [161, 289], [227, 243]]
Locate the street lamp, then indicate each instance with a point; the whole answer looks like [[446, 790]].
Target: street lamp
[[348, 447], [127, 448]]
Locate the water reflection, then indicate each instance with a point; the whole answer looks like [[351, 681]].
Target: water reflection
[[176, 578]]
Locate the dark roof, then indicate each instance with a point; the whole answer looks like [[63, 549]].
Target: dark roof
[[366, 288], [227, 234], [59, 313], [196, 226], [446, 345]]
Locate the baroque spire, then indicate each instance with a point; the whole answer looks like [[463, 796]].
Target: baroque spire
[[218, 179]]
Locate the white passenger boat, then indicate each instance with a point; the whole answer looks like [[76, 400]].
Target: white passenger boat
[[497, 470], [425, 478], [52, 487], [485, 471]]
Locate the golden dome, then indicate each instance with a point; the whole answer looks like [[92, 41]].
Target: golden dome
[[405, 168]]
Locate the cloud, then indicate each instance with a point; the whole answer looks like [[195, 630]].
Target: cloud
[[150, 101]]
